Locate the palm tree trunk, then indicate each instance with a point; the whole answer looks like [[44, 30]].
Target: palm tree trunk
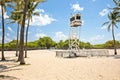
[[115, 50], [18, 57], [27, 38], [22, 61], [3, 31], [17, 40]]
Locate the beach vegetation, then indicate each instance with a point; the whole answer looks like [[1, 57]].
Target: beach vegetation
[[47, 43]]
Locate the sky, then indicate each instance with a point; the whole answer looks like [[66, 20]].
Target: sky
[[54, 21]]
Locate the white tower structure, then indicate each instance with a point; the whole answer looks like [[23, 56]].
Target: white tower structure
[[74, 35]]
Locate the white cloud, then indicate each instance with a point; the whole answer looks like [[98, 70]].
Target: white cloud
[[0, 11], [108, 5], [42, 20], [7, 39], [60, 36], [97, 37], [38, 35], [5, 14], [93, 0], [83, 22], [10, 29], [94, 39], [39, 10], [0, 39], [104, 12], [77, 7], [104, 27], [8, 34], [0, 30], [118, 36]]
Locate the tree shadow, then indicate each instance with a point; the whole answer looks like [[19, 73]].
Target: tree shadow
[[4, 68], [3, 77], [9, 59]]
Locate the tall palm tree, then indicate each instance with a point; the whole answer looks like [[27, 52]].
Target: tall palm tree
[[18, 11], [3, 32], [3, 7], [24, 4], [16, 17], [22, 61], [112, 23], [30, 12]]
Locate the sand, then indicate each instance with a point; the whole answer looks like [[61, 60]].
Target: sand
[[43, 65]]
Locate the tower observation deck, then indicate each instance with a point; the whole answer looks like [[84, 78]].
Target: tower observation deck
[[75, 20]]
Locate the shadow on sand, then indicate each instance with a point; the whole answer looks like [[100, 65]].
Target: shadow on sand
[[10, 64], [7, 69], [4, 68], [3, 77]]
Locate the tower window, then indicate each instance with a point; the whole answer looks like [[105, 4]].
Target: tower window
[[72, 19], [77, 17]]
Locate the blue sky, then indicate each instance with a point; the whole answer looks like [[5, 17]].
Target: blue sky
[[54, 21]]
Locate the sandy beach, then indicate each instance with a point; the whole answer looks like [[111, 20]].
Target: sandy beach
[[44, 65]]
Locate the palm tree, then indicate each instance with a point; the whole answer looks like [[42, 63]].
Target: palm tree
[[31, 8], [18, 12], [3, 32], [3, 7], [16, 17], [22, 33], [112, 23], [24, 8]]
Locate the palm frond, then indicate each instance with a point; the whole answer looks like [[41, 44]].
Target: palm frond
[[116, 12], [117, 20], [36, 13], [35, 5], [109, 27], [17, 12], [11, 22], [115, 2], [110, 15], [116, 8], [116, 26], [106, 23], [7, 1], [38, 0]]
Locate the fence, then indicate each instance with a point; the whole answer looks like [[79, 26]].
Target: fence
[[83, 53]]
